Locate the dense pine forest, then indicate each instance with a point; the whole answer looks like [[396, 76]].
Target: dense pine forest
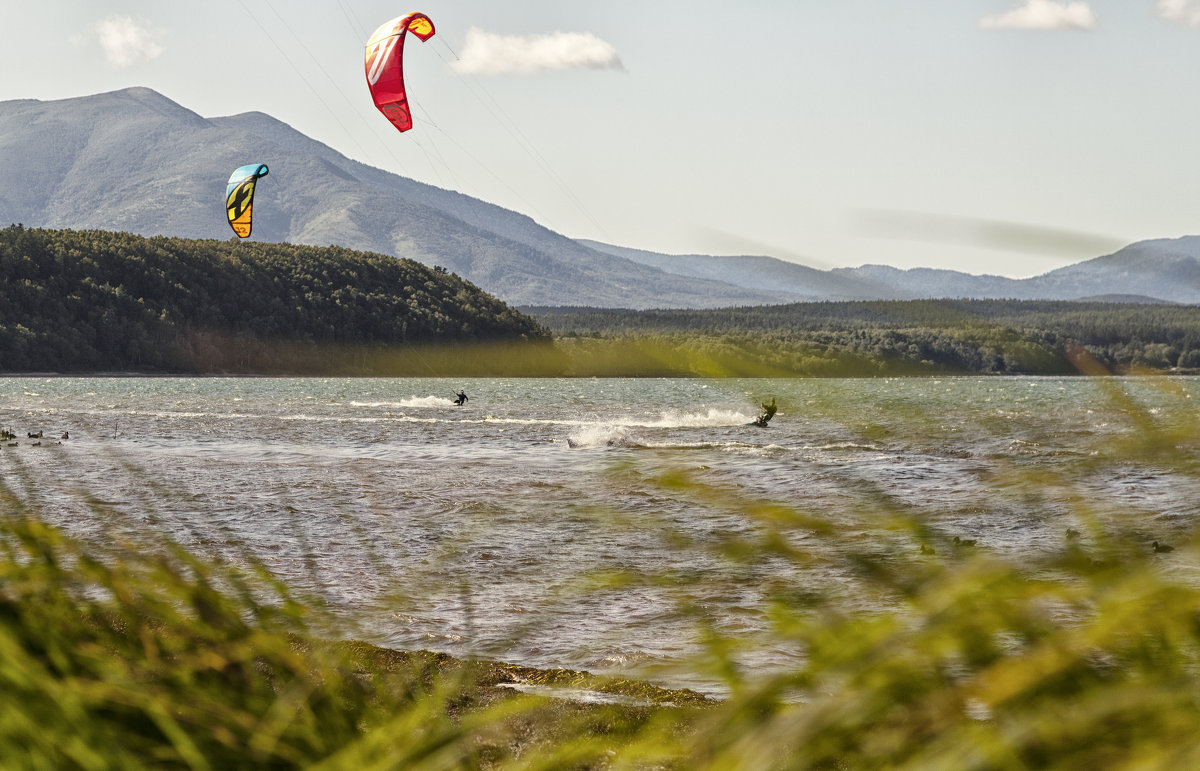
[[100, 301], [79, 301], [894, 337]]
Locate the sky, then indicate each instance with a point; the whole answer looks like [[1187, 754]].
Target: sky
[[1006, 137]]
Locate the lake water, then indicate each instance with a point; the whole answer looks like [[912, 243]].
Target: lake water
[[483, 529]]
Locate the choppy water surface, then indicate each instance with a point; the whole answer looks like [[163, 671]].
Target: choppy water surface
[[472, 530]]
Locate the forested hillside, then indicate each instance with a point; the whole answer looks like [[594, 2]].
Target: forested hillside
[[90, 301], [906, 337], [77, 301]]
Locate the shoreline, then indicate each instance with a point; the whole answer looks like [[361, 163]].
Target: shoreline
[[1172, 372], [492, 680]]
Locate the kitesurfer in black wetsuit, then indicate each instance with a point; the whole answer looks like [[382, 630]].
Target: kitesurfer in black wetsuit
[[768, 412], [461, 400]]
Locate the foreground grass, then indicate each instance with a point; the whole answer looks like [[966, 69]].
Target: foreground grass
[[122, 658], [1082, 656]]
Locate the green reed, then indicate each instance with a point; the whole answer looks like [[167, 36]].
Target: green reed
[[140, 653]]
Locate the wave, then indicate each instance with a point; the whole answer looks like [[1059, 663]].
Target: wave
[[712, 417], [619, 431], [616, 436], [601, 436], [425, 402]]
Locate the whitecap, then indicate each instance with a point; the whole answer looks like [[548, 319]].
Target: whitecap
[[436, 402], [600, 435]]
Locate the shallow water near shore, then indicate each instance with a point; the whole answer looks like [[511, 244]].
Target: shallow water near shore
[[485, 530]]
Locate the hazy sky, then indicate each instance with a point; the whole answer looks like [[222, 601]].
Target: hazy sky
[[991, 136]]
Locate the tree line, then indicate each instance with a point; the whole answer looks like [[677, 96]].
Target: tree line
[[77, 301], [905, 337], [88, 301]]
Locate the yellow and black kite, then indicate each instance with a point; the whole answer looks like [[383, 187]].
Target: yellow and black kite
[[239, 195]]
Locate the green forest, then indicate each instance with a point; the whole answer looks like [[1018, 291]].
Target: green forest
[[85, 301], [100, 301], [911, 337]]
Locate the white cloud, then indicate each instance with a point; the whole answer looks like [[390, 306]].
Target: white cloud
[[1043, 14], [127, 41], [1186, 12], [488, 53]]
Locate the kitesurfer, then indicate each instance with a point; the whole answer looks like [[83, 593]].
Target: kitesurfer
[[462, 398], [768, 412]]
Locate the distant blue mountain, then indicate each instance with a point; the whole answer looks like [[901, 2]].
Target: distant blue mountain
[[756, 272], [1163, 268], [1160, 270]]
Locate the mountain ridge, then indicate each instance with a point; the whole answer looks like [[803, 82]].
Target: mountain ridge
[[133, 160]]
